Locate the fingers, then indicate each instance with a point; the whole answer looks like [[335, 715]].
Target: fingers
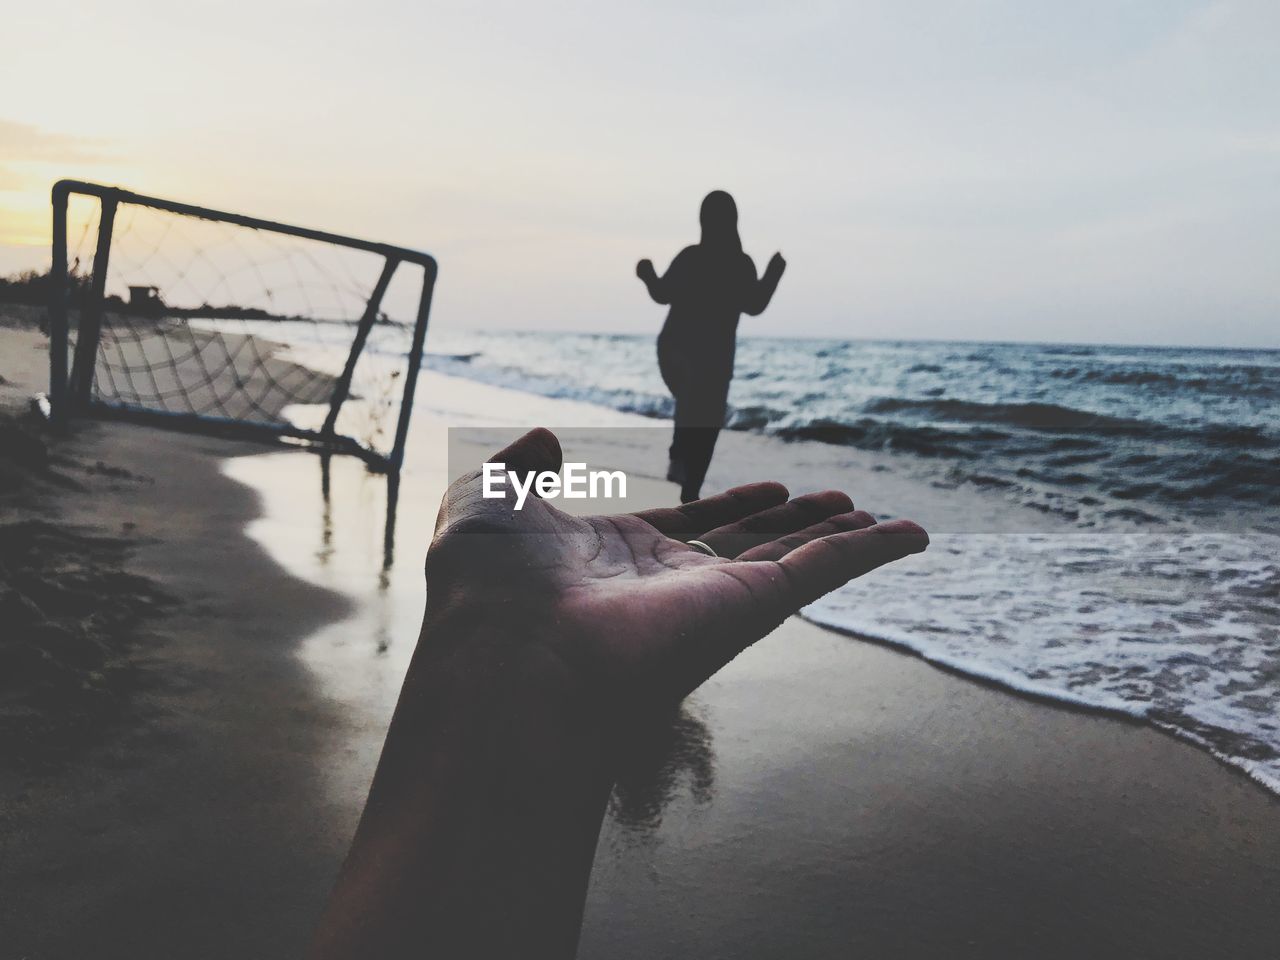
[[723, 620], [536, 451], [779, 548], [822, 565], [692, 519], [732, 539]]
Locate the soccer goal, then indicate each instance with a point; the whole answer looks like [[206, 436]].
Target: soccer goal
[[193, 318]]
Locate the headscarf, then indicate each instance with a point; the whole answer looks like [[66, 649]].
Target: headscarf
[[719, 219]]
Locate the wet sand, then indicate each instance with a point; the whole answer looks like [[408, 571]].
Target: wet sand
[[194, 826], [823, 797], [906, 812]]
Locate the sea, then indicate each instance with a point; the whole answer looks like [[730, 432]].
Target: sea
[[1105, 520]]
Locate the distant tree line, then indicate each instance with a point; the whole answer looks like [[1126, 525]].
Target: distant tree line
[[33, 287]]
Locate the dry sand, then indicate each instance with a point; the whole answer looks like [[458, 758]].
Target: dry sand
[[197, 824]]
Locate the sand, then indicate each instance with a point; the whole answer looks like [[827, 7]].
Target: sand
[[952, 819], [189, 826]]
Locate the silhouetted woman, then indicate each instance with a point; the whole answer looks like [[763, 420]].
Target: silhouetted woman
[[709, 286]]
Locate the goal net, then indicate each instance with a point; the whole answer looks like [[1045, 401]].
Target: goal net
[[195, 318]]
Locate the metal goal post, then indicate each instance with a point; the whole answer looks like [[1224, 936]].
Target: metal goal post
[[188, 350]]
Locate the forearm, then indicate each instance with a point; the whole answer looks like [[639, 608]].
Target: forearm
[[764, 290], [482, 821], [657, 290]]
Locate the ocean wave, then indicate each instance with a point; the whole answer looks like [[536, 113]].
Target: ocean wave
[[1175, 629], [455, 357], [1034, 416], [871, 434], [1248, 751], [1065, 437], [1226, 380]]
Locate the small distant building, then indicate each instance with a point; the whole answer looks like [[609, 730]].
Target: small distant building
[[145, 299]]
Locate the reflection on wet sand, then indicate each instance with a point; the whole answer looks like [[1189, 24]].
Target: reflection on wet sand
[[389, 521], [668, 753]]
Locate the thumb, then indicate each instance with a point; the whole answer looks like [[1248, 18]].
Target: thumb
[[536, 451]]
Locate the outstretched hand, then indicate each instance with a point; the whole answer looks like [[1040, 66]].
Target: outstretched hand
[[645, 271], [544, 636], [620, 610], [776, 265]]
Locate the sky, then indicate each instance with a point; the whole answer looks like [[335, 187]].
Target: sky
[[1093, 171]]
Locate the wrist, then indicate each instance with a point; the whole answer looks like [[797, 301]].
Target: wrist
[[494, 681], [489, 795]]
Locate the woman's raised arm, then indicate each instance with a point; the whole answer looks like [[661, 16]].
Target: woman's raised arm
[[661, 288], [761, 291]]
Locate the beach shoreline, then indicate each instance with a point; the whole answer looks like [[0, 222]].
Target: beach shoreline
[[1048, 699], [1103, 519], [864, 800], [189, 824]]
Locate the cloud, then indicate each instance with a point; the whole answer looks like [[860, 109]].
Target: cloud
[[32, 158], [24, 145], [26, 141]]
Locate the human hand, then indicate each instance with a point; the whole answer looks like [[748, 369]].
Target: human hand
[[645, 271], [545, 635], [776, 265], [617, 614]]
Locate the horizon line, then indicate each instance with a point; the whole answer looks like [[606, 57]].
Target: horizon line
[[936, 340]]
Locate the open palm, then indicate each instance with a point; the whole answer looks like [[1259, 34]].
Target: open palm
[[622, 605], [547, 640]]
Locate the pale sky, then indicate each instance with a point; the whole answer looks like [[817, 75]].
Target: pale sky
[[1099, 170]]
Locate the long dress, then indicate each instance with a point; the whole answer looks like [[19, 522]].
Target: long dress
[[708, 291]]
